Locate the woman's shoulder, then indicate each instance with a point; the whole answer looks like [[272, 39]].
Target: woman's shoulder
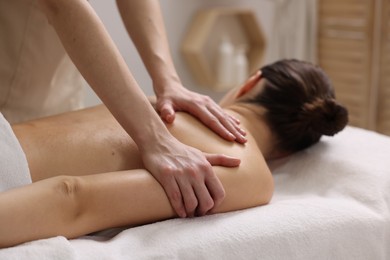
[[248, 185], [192, 132]]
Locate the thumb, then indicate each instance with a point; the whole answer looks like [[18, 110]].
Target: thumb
[[222, 160], [167, 112]]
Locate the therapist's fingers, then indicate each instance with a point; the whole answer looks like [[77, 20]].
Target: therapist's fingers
[[222, 160], [236, 120], [228, 123], [211, 121], [203, 108], [167, 112], [173, 193], [217, 120], [203, 193], [189, 198], [237, 124], [216, 193], [213, 184]]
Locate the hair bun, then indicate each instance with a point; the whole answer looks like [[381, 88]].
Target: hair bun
[[325, 116]]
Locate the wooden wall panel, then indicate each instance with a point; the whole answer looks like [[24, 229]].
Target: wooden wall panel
[[354, 49], [383, 111], [344, 51]]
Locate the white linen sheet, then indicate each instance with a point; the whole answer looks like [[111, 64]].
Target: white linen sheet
[[331, 201], [14, 170]]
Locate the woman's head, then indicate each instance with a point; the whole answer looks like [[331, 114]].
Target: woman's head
[[300, 104]]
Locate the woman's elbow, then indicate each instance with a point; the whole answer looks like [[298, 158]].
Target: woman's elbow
[[69, 190]]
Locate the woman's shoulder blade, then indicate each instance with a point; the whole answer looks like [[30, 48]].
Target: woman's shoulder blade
[[192, 132]]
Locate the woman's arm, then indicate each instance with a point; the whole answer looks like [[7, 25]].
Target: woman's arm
[[73, 206]]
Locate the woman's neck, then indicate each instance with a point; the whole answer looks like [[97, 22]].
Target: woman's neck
[[252, 120]]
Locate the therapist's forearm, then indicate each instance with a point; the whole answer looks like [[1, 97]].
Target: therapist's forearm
[[144, 23], [99, 61]]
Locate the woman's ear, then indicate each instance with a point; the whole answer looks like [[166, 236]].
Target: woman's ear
[[249, 84]]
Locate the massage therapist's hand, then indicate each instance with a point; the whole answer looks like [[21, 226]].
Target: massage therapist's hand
[[177, 98], [187, 177]]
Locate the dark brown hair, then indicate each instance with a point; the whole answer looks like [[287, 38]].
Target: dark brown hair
[[300, 104]]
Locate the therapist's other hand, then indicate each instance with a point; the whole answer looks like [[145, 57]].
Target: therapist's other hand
[[187, 177], [178, 98]]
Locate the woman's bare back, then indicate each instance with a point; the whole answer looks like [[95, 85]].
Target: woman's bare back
[[91, 141]]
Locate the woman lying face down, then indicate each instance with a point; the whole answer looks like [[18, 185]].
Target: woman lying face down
[[88, 175]]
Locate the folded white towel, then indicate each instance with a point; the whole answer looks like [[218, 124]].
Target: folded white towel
[[14, 170]]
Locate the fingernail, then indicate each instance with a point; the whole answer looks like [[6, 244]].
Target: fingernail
[[232, 136], [243, 139]]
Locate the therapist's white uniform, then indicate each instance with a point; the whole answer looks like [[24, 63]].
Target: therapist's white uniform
[[37, 78]]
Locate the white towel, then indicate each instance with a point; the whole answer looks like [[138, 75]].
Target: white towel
[[14, 170]]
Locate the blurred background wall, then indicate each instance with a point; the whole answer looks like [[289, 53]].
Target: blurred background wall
[[177, 15], [289, 28]]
